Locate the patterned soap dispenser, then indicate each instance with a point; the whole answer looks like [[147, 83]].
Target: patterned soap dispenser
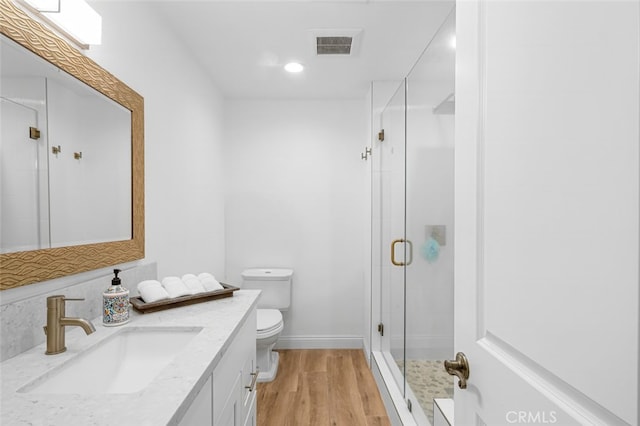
[[115, 303]]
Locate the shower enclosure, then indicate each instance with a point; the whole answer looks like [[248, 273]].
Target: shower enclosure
[[412, 241]]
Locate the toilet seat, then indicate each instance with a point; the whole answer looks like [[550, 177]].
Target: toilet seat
[[269, 322]]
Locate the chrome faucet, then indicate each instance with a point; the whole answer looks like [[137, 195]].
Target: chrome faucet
[[56, 322]]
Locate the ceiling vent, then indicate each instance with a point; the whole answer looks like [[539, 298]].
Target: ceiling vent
[[335, 42], [333, 45]]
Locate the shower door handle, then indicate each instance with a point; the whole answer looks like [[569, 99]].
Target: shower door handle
[[393, 252]]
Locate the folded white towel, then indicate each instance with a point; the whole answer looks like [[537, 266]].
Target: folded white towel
[[152, 291], [185, 277], [209, 282], [193, 284], [175, 287], [206, 275]]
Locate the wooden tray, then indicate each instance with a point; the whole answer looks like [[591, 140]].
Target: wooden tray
[[140, 306]]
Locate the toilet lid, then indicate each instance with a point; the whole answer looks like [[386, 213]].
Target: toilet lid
[[268, 319]]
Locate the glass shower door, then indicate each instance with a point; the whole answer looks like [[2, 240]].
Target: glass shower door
[[389, 194]]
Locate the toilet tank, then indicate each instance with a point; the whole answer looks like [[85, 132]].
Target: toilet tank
[[275, 284]]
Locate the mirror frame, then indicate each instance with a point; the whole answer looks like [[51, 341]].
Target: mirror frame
[[29, 267]]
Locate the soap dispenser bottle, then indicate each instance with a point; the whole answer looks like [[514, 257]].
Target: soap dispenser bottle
[[115, 303]]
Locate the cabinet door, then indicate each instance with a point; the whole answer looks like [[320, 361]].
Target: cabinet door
[[200, 412], [250, 415], [231, 411]]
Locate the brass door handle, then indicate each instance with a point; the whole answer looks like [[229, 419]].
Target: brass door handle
[[459, 367], [393, 252]]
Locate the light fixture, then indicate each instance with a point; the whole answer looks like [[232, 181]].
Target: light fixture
[[293, 67], [74, 18], [452, 43]]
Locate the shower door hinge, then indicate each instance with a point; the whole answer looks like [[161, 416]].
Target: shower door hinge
[[381, 329], [381, 135], [34, 133], [409, 405]]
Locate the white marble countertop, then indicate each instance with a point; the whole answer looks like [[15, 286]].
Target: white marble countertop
[[164, 401]]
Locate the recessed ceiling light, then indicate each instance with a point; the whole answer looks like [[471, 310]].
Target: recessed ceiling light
[[293, 67]]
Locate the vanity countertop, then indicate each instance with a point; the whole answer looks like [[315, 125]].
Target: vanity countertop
[[162, 402]]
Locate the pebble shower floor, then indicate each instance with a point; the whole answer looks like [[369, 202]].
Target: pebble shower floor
[[428, 379]]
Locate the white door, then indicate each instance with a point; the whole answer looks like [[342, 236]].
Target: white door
[[547, 217]]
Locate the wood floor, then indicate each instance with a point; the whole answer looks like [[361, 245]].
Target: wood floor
[[321, 387]]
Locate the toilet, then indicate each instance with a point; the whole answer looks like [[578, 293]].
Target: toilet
[[275, 284]]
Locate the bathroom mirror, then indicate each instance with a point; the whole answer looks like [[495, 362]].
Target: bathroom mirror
[[65, 157], [89, 157]]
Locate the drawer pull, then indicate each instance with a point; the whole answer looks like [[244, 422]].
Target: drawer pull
[[252, 386]]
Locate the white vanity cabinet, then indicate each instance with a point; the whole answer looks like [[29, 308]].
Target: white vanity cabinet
[[228, 397]]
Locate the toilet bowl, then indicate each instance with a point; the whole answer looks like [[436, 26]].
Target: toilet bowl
[[275, 285], [270, 326]]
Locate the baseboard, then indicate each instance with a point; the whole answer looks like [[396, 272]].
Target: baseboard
[[320, 342], [367, 352]]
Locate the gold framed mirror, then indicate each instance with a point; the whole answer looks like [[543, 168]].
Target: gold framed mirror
[[29, 267]]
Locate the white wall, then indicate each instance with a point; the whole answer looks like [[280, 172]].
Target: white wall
[[295, 194], [184, 183]]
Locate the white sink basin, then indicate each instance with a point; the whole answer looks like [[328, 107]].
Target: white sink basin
[[123, 363]]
